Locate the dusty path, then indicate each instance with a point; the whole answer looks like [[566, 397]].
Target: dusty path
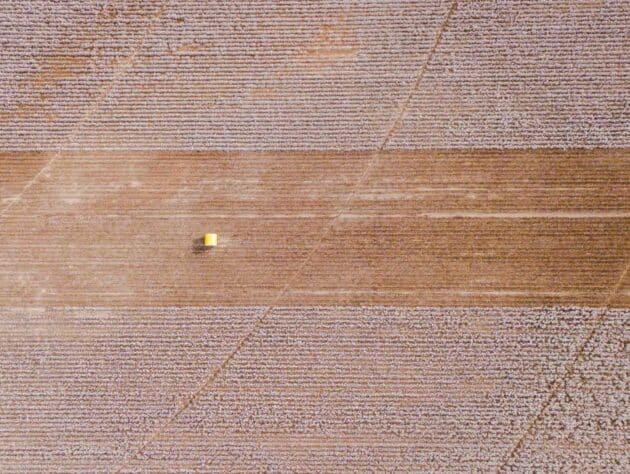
[[427, 228]]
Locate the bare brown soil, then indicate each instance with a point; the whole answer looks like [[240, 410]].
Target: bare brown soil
[[425, 228]]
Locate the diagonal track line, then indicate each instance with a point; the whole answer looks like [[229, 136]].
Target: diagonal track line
[[118, 73], [204, 386], [559, 382]]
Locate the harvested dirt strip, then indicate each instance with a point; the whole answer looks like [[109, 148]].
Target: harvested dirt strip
[[315, 388], [438, 227]]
